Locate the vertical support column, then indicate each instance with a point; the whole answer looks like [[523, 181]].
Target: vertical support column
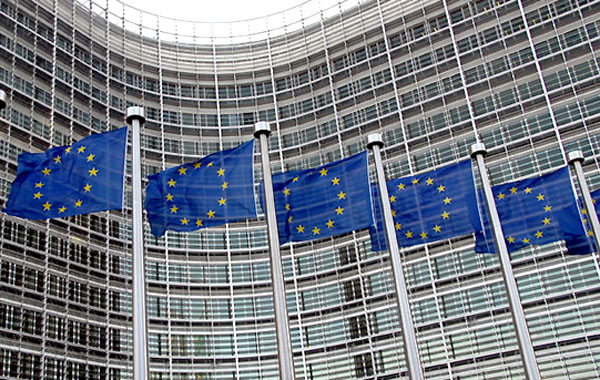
[[282, 323], [530, 366], [411, 352], [135, 117], [2, 100], [576, 159]]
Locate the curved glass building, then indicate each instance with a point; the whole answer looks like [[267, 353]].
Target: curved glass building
[[431, 75]]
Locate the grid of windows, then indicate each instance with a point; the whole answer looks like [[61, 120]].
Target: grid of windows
[[433, 76]]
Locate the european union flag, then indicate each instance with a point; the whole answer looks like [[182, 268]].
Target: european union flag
[[537, 211], [329, 200], [428, 207], [70, 180], [217, 189]]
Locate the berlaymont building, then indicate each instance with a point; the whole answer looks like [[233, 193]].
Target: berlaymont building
[[431, 75]]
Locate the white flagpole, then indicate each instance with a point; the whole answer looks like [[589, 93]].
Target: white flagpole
[[135, 117], [532, 372], [411, 352], [282, 323], [576, 159]]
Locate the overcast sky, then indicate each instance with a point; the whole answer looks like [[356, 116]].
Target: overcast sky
[[213, 10]]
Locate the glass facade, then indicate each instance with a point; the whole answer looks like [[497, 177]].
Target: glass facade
[[431, 75]]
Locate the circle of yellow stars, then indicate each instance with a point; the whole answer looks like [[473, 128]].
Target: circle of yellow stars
[[338, 211], [58, 161], [445, 215], [539, 197], [197, 220]]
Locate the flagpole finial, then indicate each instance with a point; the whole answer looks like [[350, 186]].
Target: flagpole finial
[[374, 139], [575, 156], [135, 113], [262, 127], [478, 148], [2, 99]]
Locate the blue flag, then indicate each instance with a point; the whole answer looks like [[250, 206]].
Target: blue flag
[[428, 207], [84, 177], [215, 190], [537, 211], [326, 201]]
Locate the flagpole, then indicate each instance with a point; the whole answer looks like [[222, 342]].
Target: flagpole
[[282, 323], [411, 352], [532, 372], [576, 159], [2, 100], [135, 117]]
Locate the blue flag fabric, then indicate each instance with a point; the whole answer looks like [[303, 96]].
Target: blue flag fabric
[[537, 211], [216, 190], [325, 201], [84, 177], [429, 207]]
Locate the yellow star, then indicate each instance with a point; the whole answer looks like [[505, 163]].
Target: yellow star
[[398, 226], [526, 241], [90, 158], [539, 234], [415, 181], [39, 185], [401, 186], [184, 221], [437, 228], [182, 171], [62, 209], [210, 214], [429, 181], [210, 164], [590, 233], [286, 191], [342, 195], [93, 172], [87, 188], [501, 196], [335, 181], [81, 149], [47, 206], [445, 215], [68, 150], [408, 235], [394, 213], [540, 197], [423, 235], [199, 222], [393, 199], [339, 211], [171, 183], [221, 172], [224, 185], [547, 208], [330, 223], [528, 190], [323, 173], [546, 221], [316, 231], [295, 179], [513, 190], [441, 188], [197, 166], [174, 209], [584, 211], [585, 221], [447, 200], [511, 239], [300, 229], [222, 201], [46, 171], [169, 197], [290, 219], [78, 203], [37, 195], [287, 207], [57, 160]]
